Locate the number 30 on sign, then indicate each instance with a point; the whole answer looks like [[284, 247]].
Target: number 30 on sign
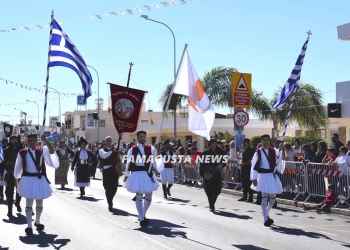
[[241, 118]]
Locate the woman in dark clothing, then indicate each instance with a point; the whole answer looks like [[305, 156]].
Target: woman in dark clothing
[[312, 151]]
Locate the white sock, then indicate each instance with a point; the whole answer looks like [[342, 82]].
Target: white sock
[[139, 207], [271, 202], [29, 212], [147, 202], [264, 205], [39, 210]]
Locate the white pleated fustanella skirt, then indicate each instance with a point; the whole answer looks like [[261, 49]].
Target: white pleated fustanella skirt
[[268, 183], [32, 187], [140, 182]]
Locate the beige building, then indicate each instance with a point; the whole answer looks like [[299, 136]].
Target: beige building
[[76, 120]]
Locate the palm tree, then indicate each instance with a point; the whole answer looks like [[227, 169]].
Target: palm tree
[[307, 112], [214, 82]]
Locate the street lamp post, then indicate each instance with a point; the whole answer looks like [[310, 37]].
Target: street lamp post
[[25, 121], [147, 18], [98, 104], [59, 108], [38, 112], [10, 118]]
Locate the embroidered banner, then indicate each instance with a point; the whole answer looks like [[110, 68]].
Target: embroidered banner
[[126, 107]]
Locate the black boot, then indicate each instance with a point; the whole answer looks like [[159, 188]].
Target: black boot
[[17, 203], [1, 193], [82, 191], [164, 191], [168, 189], [62, 186]]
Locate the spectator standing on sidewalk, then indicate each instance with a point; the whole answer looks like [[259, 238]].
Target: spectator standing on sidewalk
[[335, 142], [246, 164]]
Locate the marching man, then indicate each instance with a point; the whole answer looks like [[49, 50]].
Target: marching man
[[167, 175], [265, 163], [31, 168], [139, 181], [109, 160]]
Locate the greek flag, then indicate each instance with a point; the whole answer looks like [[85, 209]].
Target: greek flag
[[293, 81], [1, 153], [64, 53]]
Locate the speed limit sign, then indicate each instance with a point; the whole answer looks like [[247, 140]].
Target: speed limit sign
[[241, 118]]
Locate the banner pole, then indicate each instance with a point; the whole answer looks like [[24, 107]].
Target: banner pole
[[171, 94], [47, 79]]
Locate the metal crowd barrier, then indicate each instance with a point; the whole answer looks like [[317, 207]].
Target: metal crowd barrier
[[177, 172], [231, 175], [190, 172], [320, 175], [293, 179]]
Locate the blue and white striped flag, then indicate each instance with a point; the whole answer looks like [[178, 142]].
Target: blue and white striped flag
[[293, 81], [1, 153], [64, 53]]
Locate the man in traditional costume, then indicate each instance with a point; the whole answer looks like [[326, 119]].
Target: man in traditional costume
[[265, 163], [83, 159], [167, 175], [140, 180], [110, 173], [61, 173], [7, 174], [210, 170], [31, 168]]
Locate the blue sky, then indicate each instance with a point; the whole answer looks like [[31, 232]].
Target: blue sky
[[263, 38]]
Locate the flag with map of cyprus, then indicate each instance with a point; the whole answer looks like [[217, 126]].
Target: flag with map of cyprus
[[201, 113]]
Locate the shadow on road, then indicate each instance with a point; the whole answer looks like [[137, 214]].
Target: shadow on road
[[44, 240], [122, 213], [4, 248], [249, 247], [178, 200], [87, 198], [167, 229], [284, 209], [299, 232], [231, 215], [19, 220]]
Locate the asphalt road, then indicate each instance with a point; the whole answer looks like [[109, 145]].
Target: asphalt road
[[181, 222]]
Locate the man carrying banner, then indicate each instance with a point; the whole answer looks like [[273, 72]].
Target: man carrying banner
[[7, 173], [265, 163], [210, 170], [167, 175], [109, 160], [61, 173], [141, 180], [31, 168]]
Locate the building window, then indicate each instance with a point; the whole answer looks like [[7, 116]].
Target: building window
[[188, 138], [154, 139], [102, 123]]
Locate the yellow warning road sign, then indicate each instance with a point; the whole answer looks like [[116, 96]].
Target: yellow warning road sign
[[241, 90]]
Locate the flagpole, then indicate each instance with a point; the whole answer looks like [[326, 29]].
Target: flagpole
[[47, 78], [171, 94], [290, 108]]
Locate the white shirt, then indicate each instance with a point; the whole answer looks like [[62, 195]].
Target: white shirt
[[343, 165], [233, 155], [83, 155], [63, 151], [138, 161], [265, 163], [50, 160]]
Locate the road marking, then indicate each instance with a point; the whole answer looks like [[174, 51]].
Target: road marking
[[113, 221], [157, 242], [295, 225], [327, 233], [76, 203]]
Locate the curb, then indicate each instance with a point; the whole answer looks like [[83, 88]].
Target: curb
[[338, 211]]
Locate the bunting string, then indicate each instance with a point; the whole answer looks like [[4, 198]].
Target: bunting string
[[26, 102], [104, 15], [29, 88]]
